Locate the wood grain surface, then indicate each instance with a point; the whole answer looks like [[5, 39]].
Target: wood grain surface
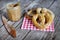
[[53, 5]]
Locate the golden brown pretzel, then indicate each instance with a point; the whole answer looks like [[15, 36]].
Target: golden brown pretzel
[[48, 15], [41, 17]]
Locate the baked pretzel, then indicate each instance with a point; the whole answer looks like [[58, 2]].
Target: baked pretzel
[[38, 21], [48, 17], [41, 17]]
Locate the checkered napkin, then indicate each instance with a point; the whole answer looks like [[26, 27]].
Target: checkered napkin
[[27, 24]]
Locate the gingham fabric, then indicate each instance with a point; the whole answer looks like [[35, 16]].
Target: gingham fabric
[[27, 24]]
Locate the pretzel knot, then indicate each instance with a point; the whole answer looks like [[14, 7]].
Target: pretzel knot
[[41, 17]]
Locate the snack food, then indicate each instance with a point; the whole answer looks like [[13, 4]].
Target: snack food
[[49, 16], [38, 21], [42, 18]]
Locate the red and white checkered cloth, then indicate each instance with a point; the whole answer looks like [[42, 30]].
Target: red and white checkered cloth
[[27, 24]]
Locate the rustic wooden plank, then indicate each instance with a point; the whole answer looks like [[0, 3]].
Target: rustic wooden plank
[[0, 21], [57, 36], [25, 4], [20, 35], [3, 33], [9, 38], [45, 3], [35, 35], [56, 9], [4, 2], [58, 26], [57, 32]]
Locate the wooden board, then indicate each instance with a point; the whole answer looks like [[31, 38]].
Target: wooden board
[[57, 36], [4, 2], [57, 30], [0, 21], [45, 3], [34, 35], [56, 10]]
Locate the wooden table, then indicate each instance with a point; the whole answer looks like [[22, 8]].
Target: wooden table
[[53, 5]]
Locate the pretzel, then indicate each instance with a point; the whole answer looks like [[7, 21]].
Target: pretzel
[[40, 22], [41, 17], [48, 15]]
